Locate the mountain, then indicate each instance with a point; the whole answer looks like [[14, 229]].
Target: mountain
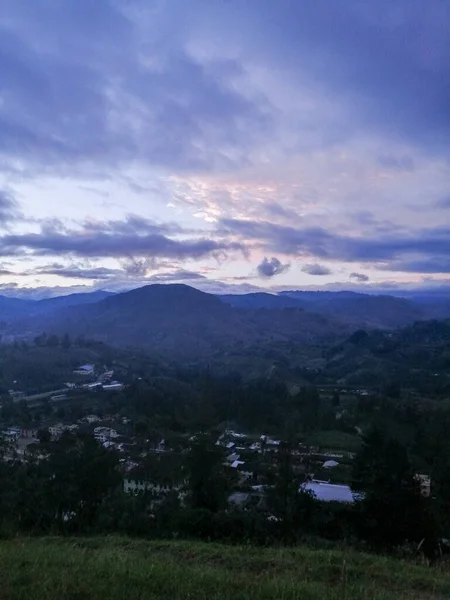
[[416, 357], [182, 322], [260, 300], [12, 309], [359, 310], [49, 304]]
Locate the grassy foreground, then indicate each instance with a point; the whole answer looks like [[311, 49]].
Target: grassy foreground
[[120, 568]]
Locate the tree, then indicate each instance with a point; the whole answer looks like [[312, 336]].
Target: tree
[[66, 341], [392, 509], [286, 500], [207, 482], [44, 436], [52, 340], [335, 400], [82, 475]]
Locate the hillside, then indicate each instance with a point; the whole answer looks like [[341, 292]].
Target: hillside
[[13, 309], [117, 568], [417, 356], [260, 300], [183, 323], [361, 310]]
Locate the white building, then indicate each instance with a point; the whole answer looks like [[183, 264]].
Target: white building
[[104, 434], [329, 492], [85, 370], [136, 486]]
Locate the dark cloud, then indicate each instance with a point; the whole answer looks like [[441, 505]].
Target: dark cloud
[[75, 271], [117, 239], [178, 275], [360, 277], [99, 83], [9, 208], [444, 203], [82, 85], [271, 267], [389, 64], [316, 269], [78, 272], [319, 242], [435, 264]]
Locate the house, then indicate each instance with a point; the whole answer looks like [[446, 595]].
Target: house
[[12, 433], [104, 434], [56, 430], [269, 441], [425, 484], [93, 385], [136, 486], [330, 464], [92, 419], [28, 433], [239, 499], [329, 492], [113, 386], [84, 370]]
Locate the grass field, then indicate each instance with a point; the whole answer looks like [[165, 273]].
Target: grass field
[[120, 568], [335, 440]]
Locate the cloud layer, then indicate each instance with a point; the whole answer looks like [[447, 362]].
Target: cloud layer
[[195, 140]]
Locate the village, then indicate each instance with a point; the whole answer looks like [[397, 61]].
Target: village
[[153, 461]]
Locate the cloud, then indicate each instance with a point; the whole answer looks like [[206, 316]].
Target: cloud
[[117, 239], [271, 267], [316, 125], [178, 275], [434, 264], [360, 277], [78, 98], [9, 208], [319, 242], [316, 269], [443, 203], [79, 272]]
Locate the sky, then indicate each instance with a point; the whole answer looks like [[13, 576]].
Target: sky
[[232, 145]]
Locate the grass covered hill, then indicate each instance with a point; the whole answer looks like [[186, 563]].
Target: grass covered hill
[[117, 568]]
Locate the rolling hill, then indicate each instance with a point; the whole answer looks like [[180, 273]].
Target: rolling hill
[[359, 310], [182, 322], [13, 309]]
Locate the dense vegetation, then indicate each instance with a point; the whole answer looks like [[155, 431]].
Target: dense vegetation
[[389, 426]]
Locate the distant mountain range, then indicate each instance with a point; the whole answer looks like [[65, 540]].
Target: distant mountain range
[[184, 323], [19, 308], [361, 310], [177, 321]]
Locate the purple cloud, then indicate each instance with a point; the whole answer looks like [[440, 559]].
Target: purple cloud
[[360, 277], [271, 267], [319, 242], [316, 269], [112, 239]]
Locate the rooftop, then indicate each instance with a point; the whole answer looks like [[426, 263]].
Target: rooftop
[[329, 492]]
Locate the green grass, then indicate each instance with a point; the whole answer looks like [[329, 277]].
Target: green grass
[[335, 440], [120, 568]]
